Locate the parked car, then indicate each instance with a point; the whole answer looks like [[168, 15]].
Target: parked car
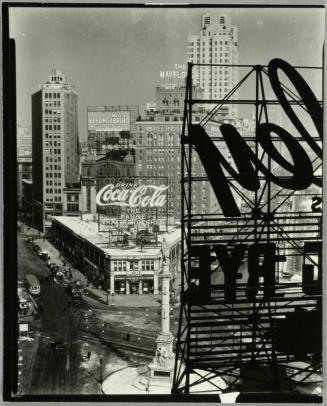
[[58, 345], [74, 290], [77, 302], [44, 255], [65, 282]]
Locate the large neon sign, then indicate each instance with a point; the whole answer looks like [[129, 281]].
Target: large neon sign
[[248, 165], [252, 268]]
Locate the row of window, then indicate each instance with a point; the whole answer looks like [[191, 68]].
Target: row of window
[[52, 183], [52, 95], [52, 136], [121, 266], [72, 207], [53, 175], [192, 44], [55, 127], [55, 144], [52, 120], [48, 111], [175, 102], [52, 190], [53, 198], [52, 151], [49, 159], [51, 167]]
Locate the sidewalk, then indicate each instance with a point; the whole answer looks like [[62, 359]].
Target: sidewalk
[[55, 258], [145, 300], [94, 295]]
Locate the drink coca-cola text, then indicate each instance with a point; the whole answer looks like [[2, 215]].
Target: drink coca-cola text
[[126, 195]]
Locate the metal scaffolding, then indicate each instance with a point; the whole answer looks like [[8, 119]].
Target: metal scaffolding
[[228, 338]]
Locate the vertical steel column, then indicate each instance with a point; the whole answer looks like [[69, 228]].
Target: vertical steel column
[[256, 203], [177, 368], [189, 226]]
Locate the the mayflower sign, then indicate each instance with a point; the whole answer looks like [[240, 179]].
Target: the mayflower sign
[[132, 195]]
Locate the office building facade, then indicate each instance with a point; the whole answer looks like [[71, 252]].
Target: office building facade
[[55, 146], [158, 150], [217, 43], [110, 127], [24, 172], [24, 141]]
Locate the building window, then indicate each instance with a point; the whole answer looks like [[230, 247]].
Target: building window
[[119, 266], [148, 265], [72, 207]]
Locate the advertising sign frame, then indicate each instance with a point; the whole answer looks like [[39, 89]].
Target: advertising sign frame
[[243, 326]]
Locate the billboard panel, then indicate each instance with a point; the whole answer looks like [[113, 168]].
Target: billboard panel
[[133, 203], [108, 120]]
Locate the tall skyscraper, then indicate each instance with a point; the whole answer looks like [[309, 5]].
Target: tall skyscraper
[[55, 146], [216, 44]]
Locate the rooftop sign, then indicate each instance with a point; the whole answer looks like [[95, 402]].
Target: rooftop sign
[[131, 195], [109, 120]]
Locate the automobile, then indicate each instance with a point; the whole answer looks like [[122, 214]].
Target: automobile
[[54, 269], [49, 278], [74, 290], [65, 282], [58, 345], [44, 255], [77, 302]]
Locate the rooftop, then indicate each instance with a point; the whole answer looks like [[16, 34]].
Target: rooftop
[[88, 230]]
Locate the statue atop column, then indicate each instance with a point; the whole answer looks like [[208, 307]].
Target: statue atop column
[[164, 251], [162, 365]]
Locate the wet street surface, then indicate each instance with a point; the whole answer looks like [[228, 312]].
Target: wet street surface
[[67, 370], [54, 371]]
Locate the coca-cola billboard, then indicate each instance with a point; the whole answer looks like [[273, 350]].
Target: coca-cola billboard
[[133, 195]]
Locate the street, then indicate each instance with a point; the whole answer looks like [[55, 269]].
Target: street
[[66, 371], [53, 371]]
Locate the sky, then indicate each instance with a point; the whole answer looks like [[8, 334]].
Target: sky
[[114, 55]]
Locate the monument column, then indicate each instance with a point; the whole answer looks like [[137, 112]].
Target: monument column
[[162, 365], [112, 283], [155, 284]]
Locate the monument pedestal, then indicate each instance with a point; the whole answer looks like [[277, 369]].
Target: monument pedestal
[[162, 366]]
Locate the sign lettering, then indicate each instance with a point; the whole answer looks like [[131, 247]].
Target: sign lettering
[[131, 195], [246, 162]]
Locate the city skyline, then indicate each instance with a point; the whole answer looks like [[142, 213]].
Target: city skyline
[[128, 72], [169, 232]]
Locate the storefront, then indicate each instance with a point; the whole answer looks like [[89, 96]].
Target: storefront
[[115, 269]]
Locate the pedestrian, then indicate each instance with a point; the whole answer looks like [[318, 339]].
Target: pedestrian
[[88, 355], [128, 336]]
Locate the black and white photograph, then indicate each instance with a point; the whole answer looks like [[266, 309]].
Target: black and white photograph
[[163, 199]]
